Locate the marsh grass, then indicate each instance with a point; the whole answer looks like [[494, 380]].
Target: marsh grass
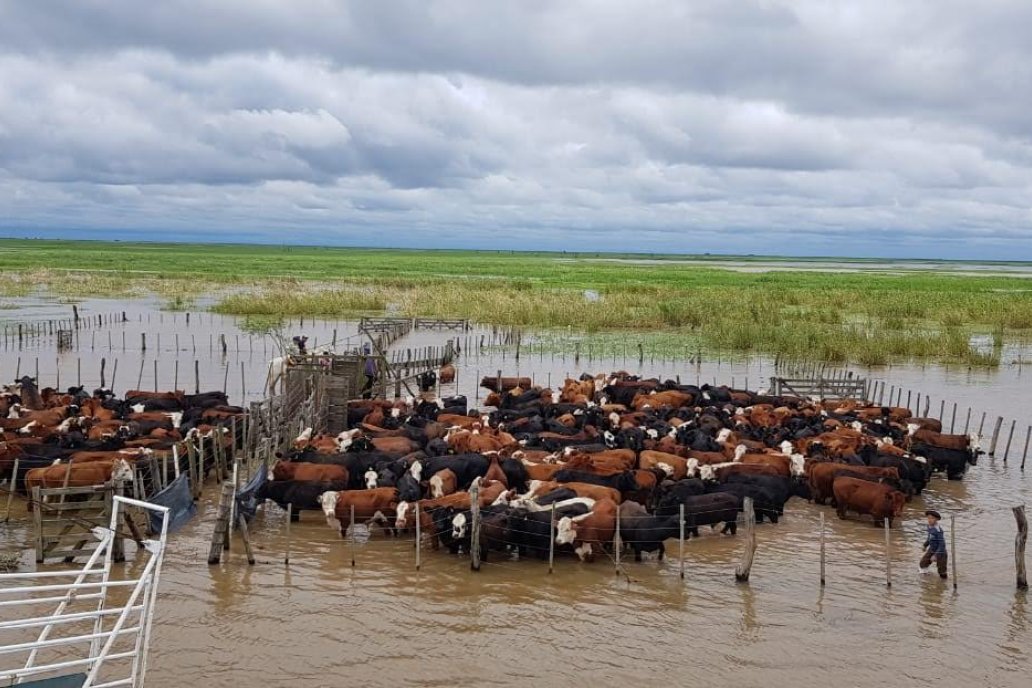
[[870, 317]]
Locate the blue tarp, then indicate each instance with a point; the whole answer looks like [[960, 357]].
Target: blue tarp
[[246, 496], [179, 501]]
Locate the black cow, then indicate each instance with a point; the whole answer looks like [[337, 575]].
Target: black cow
[[708, 509], [302, 494], [765, 502], [531, 531], [624, 482], [648, 533], [672, 494], [911, 470], [466, 467], [953, 461]]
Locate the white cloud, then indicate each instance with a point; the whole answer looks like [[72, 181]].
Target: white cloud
[[751, 126]]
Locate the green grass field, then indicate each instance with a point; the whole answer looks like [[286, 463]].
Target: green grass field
[[870, 316]]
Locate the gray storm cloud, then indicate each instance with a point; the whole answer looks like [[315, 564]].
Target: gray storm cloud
[[894, 128]]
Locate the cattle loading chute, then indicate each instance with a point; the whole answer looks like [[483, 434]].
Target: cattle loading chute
[[605, 459]]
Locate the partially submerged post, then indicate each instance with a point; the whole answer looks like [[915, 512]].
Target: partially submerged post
[[551, 540], [996, 436], [680, 540], [745, 567], [822, 550], [419, 531], [953, 547], [290, 517], [1010, 436], [351, 527], [888, 553], [1019, 546], [474, 533]]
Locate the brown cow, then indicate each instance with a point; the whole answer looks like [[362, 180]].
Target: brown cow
[[309, 472], [395, 447], [495, 472], [443, 482], [880, 501], [489, 492], [674, 466], [508, 383], [130, 455], [596, 492], [595, 528], [671, 398], [823, 475], [935, 439], [370, 506], [452, 420], [446, 374], [79, 475], [542, 471], [138, 395]]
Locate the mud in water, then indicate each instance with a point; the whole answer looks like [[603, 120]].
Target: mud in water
[[322, 622]]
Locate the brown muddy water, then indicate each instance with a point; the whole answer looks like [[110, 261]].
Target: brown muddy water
[[321, 622]]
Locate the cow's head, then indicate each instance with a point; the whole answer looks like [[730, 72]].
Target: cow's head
[[786, 448], [401, 515], [436, 486], [565, 531], [416, 470], [328, 502], [122, 471], [459, 523], [138, 408], [798, 466], [740, 451], [897, 500], [723, 435], [370, 477]]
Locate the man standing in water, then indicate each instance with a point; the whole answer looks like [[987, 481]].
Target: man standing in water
[[935, 546]]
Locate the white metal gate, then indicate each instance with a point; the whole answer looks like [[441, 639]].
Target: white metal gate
[[86, 639]]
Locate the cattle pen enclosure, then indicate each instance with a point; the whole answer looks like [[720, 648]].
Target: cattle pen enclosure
[[397, 592]]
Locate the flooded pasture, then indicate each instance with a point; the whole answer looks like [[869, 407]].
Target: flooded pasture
[[323, 622]]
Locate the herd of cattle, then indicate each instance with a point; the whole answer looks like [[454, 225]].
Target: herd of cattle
[[607, 452], [76, 439]]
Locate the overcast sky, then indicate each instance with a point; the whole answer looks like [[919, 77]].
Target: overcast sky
[[885, 128]]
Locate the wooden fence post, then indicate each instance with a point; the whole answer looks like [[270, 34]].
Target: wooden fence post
[[551, 540], [745, 567], [351, 526], [822, 549], [680, 539], [888, 553], [953, 547], [1019, 546], [617, 543], [1024, 454], [419, 531], [474, 533], [996, 436], [1010, 436]]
